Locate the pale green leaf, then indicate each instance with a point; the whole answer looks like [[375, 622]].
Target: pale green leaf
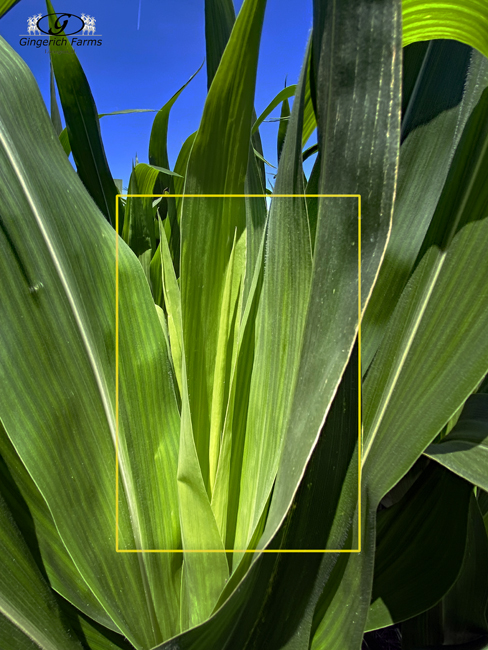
[[461, 20]]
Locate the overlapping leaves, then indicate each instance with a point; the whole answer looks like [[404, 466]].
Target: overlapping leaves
[[237, 396]]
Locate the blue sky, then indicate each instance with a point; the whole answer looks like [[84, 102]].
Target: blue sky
[[143, 68]]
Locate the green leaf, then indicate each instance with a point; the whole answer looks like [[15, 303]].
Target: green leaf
[[217, 165], [286, 93], [158, 158], [6, 5], [285, 114], [127, 111], [139, 221], [172, 301], [438, 324], [356, 156], [164, 170], [158, 146], [26, 600], [219, 20], [180, 168], [35, 522], [447, 89], [260, 613], [420, 546], [256, 215], [465, 449], [310, 151], [63, 135], [342, 608], [82, 124], [90, 633], [465, 605], [226, 353], [204, 574], [461, 20], [309, 118], [313, 201], [58, 380], [459, 619], [55, 116], [413, 59], [279, 327], [225, 493], [64, 140]]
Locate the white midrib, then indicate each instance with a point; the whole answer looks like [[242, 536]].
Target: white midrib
[[406, 350], [93, 363]]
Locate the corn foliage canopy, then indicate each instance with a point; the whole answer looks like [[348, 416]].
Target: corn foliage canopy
[[180, 372]]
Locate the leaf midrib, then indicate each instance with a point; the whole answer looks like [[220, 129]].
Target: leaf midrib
[[98, 378]]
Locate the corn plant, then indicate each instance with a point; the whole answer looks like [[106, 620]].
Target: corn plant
[[181, 461]]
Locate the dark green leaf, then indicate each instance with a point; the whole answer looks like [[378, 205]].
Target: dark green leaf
[[55, 116], [219, 20], [420, 547], [82, 124], [447, 89], [465, 449], [285, 114]]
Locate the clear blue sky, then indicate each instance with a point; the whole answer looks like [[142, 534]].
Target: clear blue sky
[[143, 68]]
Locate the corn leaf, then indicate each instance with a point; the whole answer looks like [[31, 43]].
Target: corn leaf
[[462, 20], [219, 20], [309, 118], [459, 619], [256, 215], [82, 124], [286, 93], [285, 114], [180, 168], [465, 449], [444, 301], [35, 522], [55, 116], [420, 546], [172, 301], [217, 164], [139, 231], [342, 608], [51, 261], [258, 596], [158, 158], [447, 89], [367, 155], [158, 147], [465, 606], [63, 135], [447, 305], [204, 574], [26, 600], [449, 264], [6, 5], [279, 328]]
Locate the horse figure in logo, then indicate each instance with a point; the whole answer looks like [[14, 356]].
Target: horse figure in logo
[[32, 27], [89, 26]]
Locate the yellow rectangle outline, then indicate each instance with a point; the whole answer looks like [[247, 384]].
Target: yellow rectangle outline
[[229, 196]]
